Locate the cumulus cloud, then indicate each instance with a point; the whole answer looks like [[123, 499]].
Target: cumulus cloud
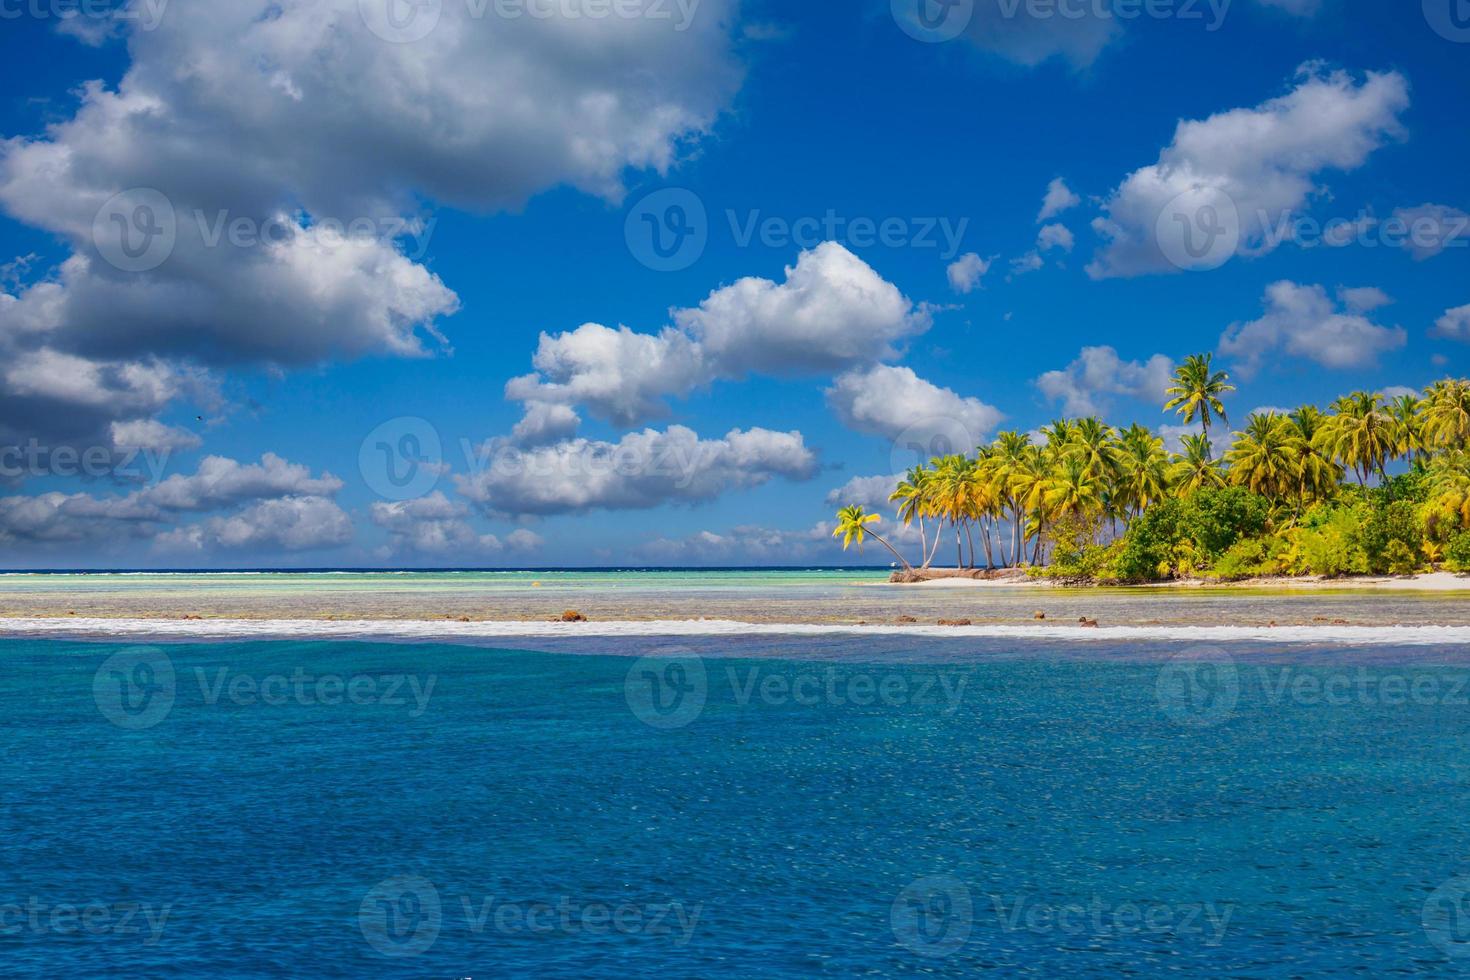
[[252, 189], [1055, 236], [1087, 385], [871, 492], [276, 504], [1025, 264], [1059, 198], [1431, 228], [966, 272], [436, 525], [642, 470], [1244, 172], [1303, 321], [288, 523], [749, 545], [1455, 324], [832, 311], [153, 435], [887, 401]]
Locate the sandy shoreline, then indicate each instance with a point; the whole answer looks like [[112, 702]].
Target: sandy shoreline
[[1430, 582]]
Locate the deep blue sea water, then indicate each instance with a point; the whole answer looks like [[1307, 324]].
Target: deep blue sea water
[[467, 812]]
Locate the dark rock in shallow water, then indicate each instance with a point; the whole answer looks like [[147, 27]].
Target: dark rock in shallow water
[[955, 622], [572, 616]]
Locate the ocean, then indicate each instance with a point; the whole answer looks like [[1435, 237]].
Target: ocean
[[762, 805]]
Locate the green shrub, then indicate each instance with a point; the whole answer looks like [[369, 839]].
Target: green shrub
[[1401, 559], [1245, 559], [1146, 552], [1397, 521], [1216, 519], [1457, 552], [1330, 545]]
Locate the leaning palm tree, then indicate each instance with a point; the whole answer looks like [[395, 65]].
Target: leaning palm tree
[[1196, 391], [852, 528], [1195, 469]]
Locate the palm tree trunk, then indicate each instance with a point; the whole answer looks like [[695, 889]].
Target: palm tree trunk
[[971, 538], [902, 560], [923, 542]]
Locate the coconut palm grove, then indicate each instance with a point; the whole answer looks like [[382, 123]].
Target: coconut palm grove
[[1370, 485]]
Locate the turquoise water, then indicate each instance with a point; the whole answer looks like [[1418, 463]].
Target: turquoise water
[[312, 809]]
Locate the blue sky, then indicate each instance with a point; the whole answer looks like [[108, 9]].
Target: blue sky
[[503, 163]]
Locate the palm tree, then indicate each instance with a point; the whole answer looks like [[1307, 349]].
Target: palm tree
[[1074, 489], [1197, 389], [1010, 462], [1195, 469], [1360, 434], [852, 526], [913, 500], [1318, 474], [1405, 412], [1447, 414], [1264, 458], [1143, 468]]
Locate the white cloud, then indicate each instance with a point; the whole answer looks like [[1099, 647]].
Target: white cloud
[[642, 470], [997, 26], [886, 401], [871, 492], [1364, 299], [1055, 236], [1087, 385], [1431, 228], [289, 523], [1262, 163], [1059, 198], [831, 312], [752, 545], [279, 505], [431, 525], [966, 272], [290, 117], [1028, 263], [220, 481], [1303, 321], [1455, 324], [617, 375], [153, 435]]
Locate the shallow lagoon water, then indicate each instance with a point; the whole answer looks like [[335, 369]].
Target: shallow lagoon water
[[761, 596], [771, 806]]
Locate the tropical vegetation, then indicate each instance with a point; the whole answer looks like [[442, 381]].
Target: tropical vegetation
[[1370, 485]]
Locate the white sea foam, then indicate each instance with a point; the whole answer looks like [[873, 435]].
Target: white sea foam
[[451, 631]]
